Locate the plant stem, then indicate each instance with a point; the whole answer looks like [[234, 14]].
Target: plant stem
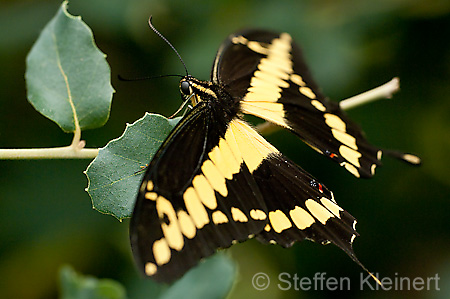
[[77, 151], [66, 152], [384, 91]]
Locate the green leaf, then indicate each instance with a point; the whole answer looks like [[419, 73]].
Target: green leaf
[[114, 175], [67, 76], [212, 278], [76, 286]]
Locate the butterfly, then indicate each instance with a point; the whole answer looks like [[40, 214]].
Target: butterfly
[[216, 181]]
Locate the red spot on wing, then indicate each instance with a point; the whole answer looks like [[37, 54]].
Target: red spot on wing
[[320, 188]]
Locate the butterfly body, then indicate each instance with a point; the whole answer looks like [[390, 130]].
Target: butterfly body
[[215, 181]]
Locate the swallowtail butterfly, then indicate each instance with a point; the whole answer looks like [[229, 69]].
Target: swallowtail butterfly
[[216, 181]]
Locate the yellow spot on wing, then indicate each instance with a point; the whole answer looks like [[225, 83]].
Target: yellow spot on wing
[[372, 168], [231, 141], [268, 80], [172, 232], [217, 157], [239, 40], [252, 45], [334, 208], [411, 159], [151, 195], [186, 224], [238, 215], [150, 269], [150, 186], [256, 47], [318, 105], [258, 214], [379, 154], [352, 169], [267, 228], [233, 164], [345, 138], [272, 112], [301, 218], [334, 121], [318, 211], [266, 66], [258, 85], [271, 79], [279, 221], [253, 147], [297, 80], [262, 94], [350, 155], [215, 178], [283, 65], [307, 92], [204, 191], [218, 217], [161, 252], [195, 208], [281, 46]]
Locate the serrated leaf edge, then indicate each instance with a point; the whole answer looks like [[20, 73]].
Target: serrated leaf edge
[[87, 189]]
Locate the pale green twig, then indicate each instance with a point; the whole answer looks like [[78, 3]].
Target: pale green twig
[[77, 151], [384, 91]]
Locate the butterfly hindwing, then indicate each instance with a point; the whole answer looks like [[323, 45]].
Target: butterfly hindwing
[[268, 73], [299, 207]]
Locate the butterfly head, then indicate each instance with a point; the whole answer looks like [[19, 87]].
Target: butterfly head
[[185, 87], [196, 90]]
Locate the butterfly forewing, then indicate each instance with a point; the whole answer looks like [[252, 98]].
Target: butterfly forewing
[[268, 73], [197, 195]]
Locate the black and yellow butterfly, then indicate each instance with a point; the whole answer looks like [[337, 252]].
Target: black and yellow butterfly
[[215, 181]]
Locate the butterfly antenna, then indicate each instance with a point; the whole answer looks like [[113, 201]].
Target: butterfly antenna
[[121, 78], [167, 42]]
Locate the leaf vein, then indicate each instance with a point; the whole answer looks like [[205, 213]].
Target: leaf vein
[[66, 81]]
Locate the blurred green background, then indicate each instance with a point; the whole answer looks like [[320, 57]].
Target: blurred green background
[[46, 219]]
